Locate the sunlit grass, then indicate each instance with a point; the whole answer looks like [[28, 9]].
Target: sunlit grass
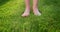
[[12, 21]]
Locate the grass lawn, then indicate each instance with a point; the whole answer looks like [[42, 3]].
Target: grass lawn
[[12, 21]]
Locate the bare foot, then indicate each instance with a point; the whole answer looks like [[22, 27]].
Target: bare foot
[[36, 12], [26, 13]]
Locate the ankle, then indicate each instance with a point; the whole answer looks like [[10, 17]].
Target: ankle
[[27, 7], [35, 8]]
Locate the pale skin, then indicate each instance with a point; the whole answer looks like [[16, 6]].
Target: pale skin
[[35, 8]]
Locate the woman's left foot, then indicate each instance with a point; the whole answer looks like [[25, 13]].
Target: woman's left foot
[[36, 12]]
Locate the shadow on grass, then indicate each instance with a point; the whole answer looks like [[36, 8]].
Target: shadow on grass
[[2, 2]]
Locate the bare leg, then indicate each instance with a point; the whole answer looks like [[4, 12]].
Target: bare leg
[[35, 8], [27, 10]]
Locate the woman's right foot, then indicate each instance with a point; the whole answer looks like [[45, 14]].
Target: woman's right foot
[[26, 13]]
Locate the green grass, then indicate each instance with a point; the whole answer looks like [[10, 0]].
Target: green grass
[[12, 21]]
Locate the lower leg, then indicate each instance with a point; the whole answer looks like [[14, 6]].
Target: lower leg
[[27, 9], [35, 8], [35, 4], [27, 4]]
